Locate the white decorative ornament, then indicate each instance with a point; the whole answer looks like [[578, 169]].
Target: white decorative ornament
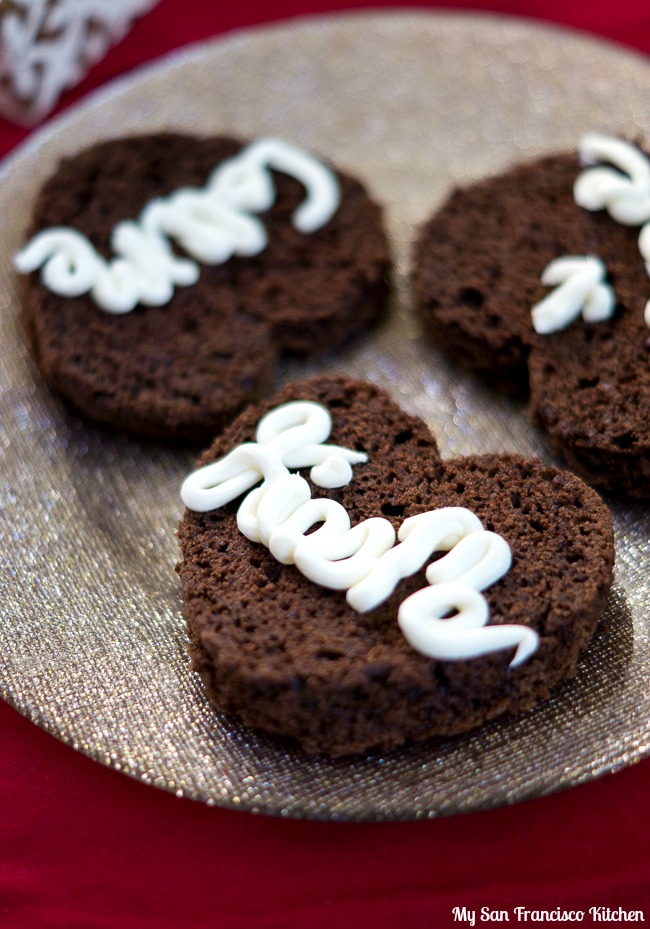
[[210, 224], [624, 193], [361, 559], [48, 45], [580, 288]]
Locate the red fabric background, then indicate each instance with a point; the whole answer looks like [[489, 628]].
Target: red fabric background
[[83, 847]]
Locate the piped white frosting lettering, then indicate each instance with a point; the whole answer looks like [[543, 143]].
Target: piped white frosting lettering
[[290, 436], [363, 559], [644, 248], [622, 187], [464, 635], [624, 193], [210, 224], [580, 288]]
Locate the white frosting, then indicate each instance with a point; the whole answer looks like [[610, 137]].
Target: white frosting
[[290, 436], [210, 224], [363, 559], [581, 288], [644, 248], [626, 196], [464, 635], [419, 536]]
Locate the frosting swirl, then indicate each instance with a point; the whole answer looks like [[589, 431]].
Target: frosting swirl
[[362, 559], [210, 224], [624, 193], [581, 289]]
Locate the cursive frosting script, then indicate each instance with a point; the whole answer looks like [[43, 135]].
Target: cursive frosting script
[[621, 186], [210, 225], [362, 559], [616, 178], [580, 289]]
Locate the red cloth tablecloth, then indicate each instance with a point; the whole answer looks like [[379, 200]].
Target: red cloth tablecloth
[[83, 847]]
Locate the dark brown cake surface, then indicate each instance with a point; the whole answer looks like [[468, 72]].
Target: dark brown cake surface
[[182, 370], [293, 658], [479, 262]]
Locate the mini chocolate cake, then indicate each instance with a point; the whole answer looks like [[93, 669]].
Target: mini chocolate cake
[[182, 370], [292, 658], [477, 274]]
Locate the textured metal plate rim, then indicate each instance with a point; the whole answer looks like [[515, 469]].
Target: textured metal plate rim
[[92, 634]]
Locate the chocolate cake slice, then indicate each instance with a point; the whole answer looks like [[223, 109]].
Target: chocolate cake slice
[[478, 267], [292, 658], [180, 371]]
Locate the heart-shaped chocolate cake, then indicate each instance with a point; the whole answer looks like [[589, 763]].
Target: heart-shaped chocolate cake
[[347, 588], [487, 259], [166, 274]]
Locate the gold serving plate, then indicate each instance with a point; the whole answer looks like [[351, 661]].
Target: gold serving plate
[[92, 638]]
